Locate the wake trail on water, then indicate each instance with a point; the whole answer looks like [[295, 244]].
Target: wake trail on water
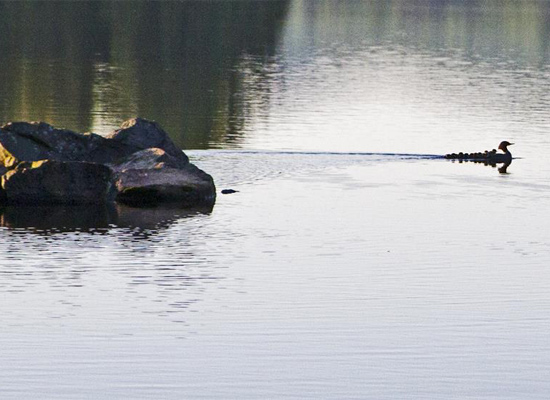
[[233, 168], [318, 153]]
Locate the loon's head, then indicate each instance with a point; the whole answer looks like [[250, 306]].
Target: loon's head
[[503, 145]]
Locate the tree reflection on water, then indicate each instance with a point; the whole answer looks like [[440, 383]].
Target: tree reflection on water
[[89, 65], [202, 69]]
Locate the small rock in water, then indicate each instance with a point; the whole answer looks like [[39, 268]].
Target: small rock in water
[[229, 191]]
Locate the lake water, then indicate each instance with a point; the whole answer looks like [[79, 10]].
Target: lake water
[[351, 263]]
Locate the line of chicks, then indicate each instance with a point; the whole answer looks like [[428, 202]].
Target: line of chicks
[[486, 156]]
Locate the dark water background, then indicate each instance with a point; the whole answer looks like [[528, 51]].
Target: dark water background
[[90, 65], [210, 72], [342, 268]]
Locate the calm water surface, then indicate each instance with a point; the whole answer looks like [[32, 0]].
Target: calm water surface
[[350, 264]]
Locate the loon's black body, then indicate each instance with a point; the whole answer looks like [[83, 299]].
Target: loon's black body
[[491, 157]]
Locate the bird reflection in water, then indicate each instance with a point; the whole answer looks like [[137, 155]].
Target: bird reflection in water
[[488, 158]]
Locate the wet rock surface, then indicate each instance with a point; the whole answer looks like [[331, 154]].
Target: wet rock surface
[[143, 187], [136, 164], [58, 182]]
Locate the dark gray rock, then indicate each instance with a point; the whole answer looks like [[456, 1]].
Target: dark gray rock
[[152, 158], [187, 186], [74, 168], [141, 134], [58, 182], [152, 177], [33, 141]]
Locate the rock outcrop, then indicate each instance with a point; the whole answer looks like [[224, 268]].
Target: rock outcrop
[[58, 182], [153, 176], [137, 164]]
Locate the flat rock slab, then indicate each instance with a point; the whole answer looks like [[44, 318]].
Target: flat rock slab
[[142, 187]]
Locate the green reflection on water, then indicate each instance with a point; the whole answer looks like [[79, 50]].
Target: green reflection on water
[[90, 65], [203, 68]]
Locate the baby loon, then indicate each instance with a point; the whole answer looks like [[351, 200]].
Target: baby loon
[[487, 156]]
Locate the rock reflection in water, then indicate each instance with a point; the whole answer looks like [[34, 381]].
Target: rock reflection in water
[[92, 218], [147, 256]]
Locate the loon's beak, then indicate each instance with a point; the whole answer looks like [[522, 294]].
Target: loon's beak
[[510, 144]]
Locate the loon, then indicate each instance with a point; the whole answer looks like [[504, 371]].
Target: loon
[[507, 156], [491, 157]]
